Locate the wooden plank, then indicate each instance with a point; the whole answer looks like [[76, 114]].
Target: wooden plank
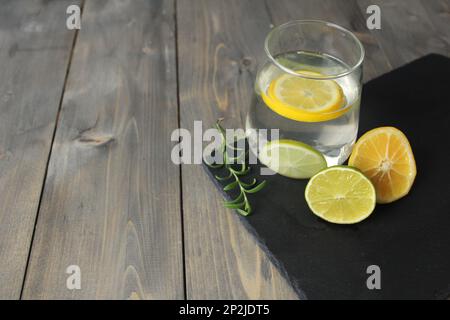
[[407, 32], [215, 40], [35, 48], [219, 43], [342, 12], [438, 12], [111, 199]]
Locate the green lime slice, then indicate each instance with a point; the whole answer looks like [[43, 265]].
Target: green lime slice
[[341, 194], [292, 158]]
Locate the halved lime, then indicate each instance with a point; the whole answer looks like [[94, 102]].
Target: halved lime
[[292, 159], [341, 194]]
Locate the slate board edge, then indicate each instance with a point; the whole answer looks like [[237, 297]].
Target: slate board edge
[[261, 243], [443, 295]]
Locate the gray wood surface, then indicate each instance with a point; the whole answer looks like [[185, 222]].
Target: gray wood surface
[[111, 203], [218, 45], [438, 12], [34, 52], [407, 31], [214, 83]]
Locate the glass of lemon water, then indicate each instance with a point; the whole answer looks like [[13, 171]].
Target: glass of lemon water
[[309, 88]]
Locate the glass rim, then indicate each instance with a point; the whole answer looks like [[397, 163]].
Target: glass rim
[[321, 22]]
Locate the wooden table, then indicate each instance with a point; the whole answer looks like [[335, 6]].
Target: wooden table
[[86, 176]]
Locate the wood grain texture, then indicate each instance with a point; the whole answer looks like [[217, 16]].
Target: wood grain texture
[[218, 47], [111, 202], [35, 48], [345, 13], [219, 43], [111, 199], [439, 14], [407, 31]]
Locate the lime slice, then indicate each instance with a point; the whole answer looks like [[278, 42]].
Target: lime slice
[[292, 158], [341, 194]]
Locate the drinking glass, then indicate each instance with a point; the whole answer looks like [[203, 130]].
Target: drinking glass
[[310, 87]]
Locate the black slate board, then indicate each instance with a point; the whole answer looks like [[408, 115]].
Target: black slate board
[[409, 239]]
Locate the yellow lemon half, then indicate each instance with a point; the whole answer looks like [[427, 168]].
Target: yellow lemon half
[[384, 155]]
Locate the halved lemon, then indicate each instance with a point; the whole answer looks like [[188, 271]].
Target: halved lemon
[[304, 99], [384, 155], [341, 194]]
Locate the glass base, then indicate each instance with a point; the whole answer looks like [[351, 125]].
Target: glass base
[[337, 156]]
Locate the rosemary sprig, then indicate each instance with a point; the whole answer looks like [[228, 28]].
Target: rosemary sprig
[[235, 174]]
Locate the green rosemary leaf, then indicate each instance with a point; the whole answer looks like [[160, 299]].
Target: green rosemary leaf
[[243, 167], [225, 177], [247, 207], [219, 127], [248, 185], [231, 160], [230, 186], [236, 200], [257, 188], [230, 145], [215, 166], [241, 155], [237, 159], [240, 172], [242, 212], [243, 170], [234, 205]]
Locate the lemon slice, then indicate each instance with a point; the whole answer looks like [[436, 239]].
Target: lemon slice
[[341, 195], [292, 159], [385, 156], [303, 99]]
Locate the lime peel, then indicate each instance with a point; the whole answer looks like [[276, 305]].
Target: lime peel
[[291, 158], [341, 194]]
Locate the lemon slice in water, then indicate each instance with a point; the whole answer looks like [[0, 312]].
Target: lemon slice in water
[[303, 99]]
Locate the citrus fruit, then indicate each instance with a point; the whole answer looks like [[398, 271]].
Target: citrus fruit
[[292, 159], [384, 155], [340, 194], [303, 99]]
